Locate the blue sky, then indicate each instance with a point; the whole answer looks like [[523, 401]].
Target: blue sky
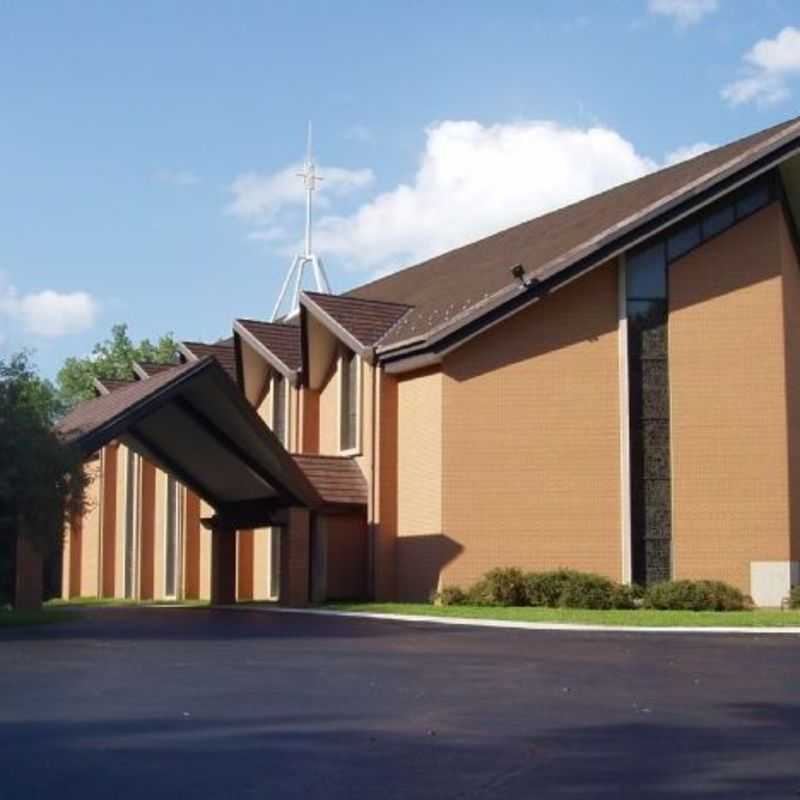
[[148, 150]]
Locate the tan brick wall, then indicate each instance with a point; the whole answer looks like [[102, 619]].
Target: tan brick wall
[[328, 435], [383, 521], [261, 563], [791, 309], [420, 543], [90, 561], [531, 439], [730, 487]]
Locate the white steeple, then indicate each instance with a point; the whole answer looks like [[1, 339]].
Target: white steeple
[[294, 277]]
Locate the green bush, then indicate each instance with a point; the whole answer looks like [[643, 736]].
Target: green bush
[[627, 596], [794, 598], [450, 596], [696, 596], [502, 586], [546, 588], [585, 590]]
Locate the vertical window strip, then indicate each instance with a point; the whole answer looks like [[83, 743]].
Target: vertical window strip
[[171, 539], [279, 408], [648, 386], [348, 401], [130, 526]]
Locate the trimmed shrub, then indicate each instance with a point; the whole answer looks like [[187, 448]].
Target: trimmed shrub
[[696, 596], [627, 596], [584, 590], [546, 588], [794, 598], [450, 596], [502, 586]]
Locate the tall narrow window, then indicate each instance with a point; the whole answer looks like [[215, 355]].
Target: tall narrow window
[[348, 401], [279, 408], [172, 538], [131, 519], [648, 381], [274, 563]]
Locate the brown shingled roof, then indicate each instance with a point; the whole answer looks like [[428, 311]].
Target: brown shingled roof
[[222, 351], [280, 338], [337, 479], [444, 287], [104, 409], [108, 385], [153, 367], [367, 321]]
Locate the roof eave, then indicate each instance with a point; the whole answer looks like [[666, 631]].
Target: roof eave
[[275, 362], [341, 333], [404, 355]]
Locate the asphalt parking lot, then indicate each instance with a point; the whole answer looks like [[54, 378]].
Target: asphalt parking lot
[[197, 703]]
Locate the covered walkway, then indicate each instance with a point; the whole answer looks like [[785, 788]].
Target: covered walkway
[[192, 422]]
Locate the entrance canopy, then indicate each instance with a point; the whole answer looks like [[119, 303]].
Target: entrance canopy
[[192, 421]]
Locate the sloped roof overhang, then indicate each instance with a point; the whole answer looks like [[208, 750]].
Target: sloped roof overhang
[[192, 422], [242, 333], [417, 352]]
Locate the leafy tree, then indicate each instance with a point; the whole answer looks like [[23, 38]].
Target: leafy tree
[[112, 359], [42, 480]]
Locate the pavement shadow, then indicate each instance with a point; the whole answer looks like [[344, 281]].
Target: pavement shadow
[[337, 756]]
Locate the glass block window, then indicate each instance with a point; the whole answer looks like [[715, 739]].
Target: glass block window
[[648, 387]]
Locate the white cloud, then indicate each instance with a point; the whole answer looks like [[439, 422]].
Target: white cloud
[[769, 65], [686, 152], [684, 12], [47, 313], [474, 180], [177, 177], [260, 197]]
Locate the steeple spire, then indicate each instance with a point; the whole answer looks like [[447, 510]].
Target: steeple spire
[[294, 277]]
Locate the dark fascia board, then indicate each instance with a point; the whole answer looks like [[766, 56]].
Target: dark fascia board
[[342, 334], [584, 258], [241, 331]]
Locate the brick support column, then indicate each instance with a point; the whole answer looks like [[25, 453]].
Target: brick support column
[[223, 566], [28, 579], [295, 555]]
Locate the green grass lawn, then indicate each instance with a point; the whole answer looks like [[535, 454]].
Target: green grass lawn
[[638, 617], [117, 602], [11, 619]]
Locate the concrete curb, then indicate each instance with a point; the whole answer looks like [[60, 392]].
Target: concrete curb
[[512, 625]]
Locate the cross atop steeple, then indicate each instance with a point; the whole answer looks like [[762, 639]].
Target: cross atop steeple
[[295, 275]]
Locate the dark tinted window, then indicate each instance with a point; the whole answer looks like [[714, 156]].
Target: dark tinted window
[[717, 221], [646, 275], [683, 241], [754, 197]]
